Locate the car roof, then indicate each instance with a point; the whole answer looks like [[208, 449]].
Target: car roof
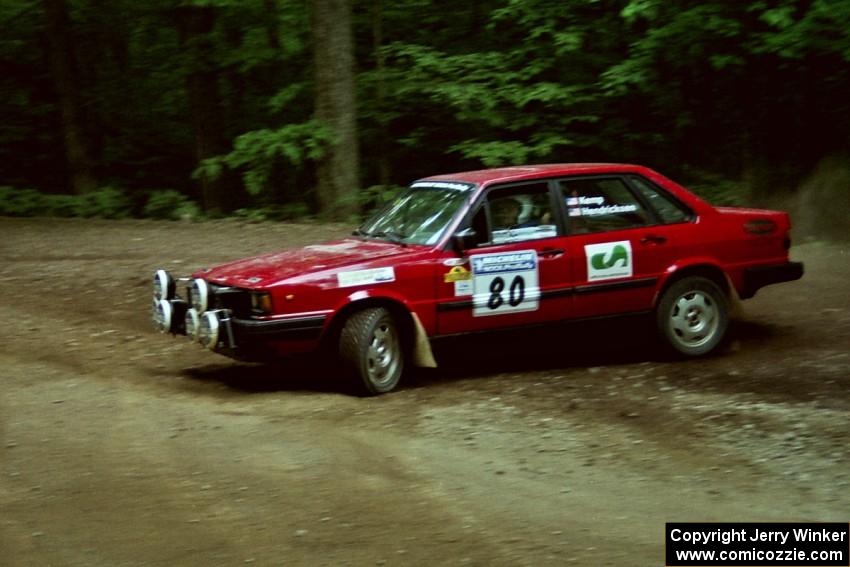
[[527, 172]]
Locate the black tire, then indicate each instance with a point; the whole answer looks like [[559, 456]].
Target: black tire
[[370, 346], [692, 316]]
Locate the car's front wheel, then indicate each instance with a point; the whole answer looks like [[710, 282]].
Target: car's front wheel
[[692, 316], [370, 346]]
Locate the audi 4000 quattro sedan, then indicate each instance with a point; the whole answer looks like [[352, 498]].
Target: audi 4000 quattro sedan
[[486, 250]]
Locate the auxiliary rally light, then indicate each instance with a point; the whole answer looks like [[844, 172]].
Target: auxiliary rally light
[[192, 322], [208, 329], [162, 314], [173, 314], [199, 295], [163, 285]]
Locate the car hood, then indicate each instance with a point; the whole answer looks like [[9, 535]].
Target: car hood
[[268, 269]]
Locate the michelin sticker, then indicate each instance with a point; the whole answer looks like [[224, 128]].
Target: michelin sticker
[[609, 260], [505, 283], [364, 277]]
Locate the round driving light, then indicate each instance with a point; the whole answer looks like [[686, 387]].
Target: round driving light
[[208, 330], [162, 314], [163, 285], [192, 321], [199, 295]]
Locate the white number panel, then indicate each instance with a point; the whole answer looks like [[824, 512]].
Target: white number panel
[[505, 282]]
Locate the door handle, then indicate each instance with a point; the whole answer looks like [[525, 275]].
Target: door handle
[[653, 239], [550, 252]]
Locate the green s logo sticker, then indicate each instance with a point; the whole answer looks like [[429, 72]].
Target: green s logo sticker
[[618, 254], [609, 260]]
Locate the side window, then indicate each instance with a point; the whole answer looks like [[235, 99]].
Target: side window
[[598, 205], [669, 210], [517, 214]]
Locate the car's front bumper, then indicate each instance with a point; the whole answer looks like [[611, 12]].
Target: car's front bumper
[[292, 329], [218, 317], [258, 340], [757, 277]]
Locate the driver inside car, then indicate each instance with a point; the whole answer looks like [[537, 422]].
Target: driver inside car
[[510, 212]]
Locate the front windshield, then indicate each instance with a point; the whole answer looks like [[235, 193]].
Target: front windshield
[[419, 216]]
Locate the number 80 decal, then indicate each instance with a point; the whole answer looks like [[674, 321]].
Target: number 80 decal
[[505, 283]]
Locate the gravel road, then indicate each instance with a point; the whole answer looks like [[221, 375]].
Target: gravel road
[[121, 446]]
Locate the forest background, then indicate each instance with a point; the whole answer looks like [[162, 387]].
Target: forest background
[[281, 109]]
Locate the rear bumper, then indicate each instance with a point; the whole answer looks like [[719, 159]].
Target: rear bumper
[[757, 277]]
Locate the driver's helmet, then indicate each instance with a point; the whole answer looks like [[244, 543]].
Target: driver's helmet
[[526, 210]]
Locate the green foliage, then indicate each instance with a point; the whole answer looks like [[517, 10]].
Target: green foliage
[[170, 205], [502, 94], [286, 96], [59, 206], [108, 203], [255, 153], [740, 88], [795, 33], [494, 154], [20, 202]]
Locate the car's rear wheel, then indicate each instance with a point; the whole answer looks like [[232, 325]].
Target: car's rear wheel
[[693, 315], [370, 346]]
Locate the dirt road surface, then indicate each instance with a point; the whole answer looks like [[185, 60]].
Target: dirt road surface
[[121, 446]]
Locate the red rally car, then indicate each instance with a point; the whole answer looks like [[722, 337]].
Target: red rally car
[[486, 250]]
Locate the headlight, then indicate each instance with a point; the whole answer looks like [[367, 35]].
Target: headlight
[[162, 313], [163, 285], [199, 295], [261, 303], [208, 329], [192, 321]]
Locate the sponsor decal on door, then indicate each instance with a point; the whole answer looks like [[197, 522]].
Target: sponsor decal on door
[[609, 260]]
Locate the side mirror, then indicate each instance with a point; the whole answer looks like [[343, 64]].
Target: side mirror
[[466, 239]]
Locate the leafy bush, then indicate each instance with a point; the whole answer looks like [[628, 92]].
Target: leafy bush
[[106, 203], [59, 206], [20, 202], [256, 152], [170, 205]]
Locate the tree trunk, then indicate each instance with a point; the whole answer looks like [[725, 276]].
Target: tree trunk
[[194, 25], [381, 91], [333, 58], [63, 69]]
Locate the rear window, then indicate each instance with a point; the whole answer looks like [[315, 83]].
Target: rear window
[[669, 210]]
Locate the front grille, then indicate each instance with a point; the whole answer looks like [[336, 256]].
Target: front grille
[[237, 300]]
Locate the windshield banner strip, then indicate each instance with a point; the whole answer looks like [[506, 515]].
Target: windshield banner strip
[[443, 185]]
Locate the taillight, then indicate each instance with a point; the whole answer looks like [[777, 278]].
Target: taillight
[[760, 226]]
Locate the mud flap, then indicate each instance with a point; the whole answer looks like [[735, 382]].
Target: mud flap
[[736, 309], [422, 355]]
